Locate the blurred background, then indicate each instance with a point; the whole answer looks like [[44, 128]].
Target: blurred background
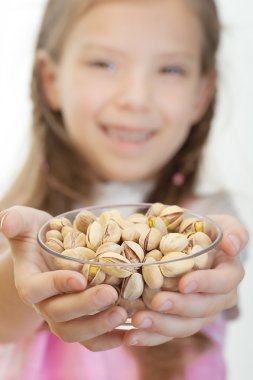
[[228, 162]]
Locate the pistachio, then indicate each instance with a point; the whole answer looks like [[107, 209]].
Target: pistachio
[[155, 253], [137, 218], [155, 209], [150, 240], [94, 235], [74, 253], [130, 233], [58, 223], [108, 247], [132, 287], [116, 269], [66, 229], [176, 268], [174, 215], [200, 238], [152, 274], [112, 232], [173, 242], [159, 223], [132, 251], [55, 244], [74, 239], [201, 261], [83, 220], [55, 234], [93, 274]]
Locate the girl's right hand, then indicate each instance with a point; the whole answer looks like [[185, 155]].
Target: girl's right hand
[[73, 312]]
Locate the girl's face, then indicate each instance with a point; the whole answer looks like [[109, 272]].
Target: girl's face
[[129, 85]]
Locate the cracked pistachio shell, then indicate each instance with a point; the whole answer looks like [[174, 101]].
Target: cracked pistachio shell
[[155, 209], [93, 274], [130, 233], [132, 287], [187, 225], [150, 240], [117, 269], [176, 268], [200, 238], [55, 244], [148, 294], [108, 247], [173, 242], [55, 234], [152, 274], [155, 254], [94, 235], [112, 232], [74, 239], [201, 261], [141, 228], [174, 215], [132, 251], [114, 215], [58, 223], [158, 222], [83, 220]]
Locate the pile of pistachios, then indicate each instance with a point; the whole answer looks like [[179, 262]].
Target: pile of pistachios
[[155, 238]]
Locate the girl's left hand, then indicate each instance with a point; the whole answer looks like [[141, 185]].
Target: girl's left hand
[[203, 294]]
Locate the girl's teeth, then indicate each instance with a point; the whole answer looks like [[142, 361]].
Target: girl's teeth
[[128, 136]]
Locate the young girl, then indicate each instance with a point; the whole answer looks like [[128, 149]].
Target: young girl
[[123, 95]]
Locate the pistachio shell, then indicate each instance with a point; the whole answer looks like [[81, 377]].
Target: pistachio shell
[[137, 218], [74, 239], [200, 238], [130, 233], [159, 223], [56, 234], [132, 251], [83, 220], [93, 274], [66, 229], [177, 268], [173, 242], [155, 253], [117, 269], [132, 287], [94, 235], [108, 247], [152, 274], [187, 225], [55, 244], [155, 209], [58, 223], [174, 215], [150, 240], [112, 232], [201, 261], [62, 263]]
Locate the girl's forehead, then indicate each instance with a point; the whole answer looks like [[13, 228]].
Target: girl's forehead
[[150, 20]]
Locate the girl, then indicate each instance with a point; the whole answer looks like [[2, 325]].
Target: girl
[[123, 95]]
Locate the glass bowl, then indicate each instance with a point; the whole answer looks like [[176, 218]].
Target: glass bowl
[[139, 249]]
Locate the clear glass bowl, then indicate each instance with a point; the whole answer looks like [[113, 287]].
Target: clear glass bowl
[[136, 279]]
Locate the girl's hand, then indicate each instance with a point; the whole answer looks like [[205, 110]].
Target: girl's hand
[[60, 297], [203, 294]]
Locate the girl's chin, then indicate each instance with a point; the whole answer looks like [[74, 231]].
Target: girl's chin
[[126, 175]]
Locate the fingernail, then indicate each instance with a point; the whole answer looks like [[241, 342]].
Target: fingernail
[[115, 318], [166, 306], [191, 287], [105, 297], [74, 284], [235, 242], [3, 215], [145, 323]]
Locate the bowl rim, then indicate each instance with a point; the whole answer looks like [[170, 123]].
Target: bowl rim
[[128, 205]]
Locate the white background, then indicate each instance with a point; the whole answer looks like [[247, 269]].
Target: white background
[[229, 158]]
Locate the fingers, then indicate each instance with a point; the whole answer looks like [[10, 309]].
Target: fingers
[[223, 278], [235, 236], [106, 341], [40, 286], [193, 305], [168, 325], [142, 337], [72, 306], [89, 327], [20, 221]]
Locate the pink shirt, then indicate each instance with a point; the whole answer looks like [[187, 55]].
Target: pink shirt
[[45, 357]]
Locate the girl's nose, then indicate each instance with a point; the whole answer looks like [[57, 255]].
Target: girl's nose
[[134, 93]]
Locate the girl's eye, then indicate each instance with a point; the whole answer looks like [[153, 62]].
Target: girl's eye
[[172, 70], [102, 65]]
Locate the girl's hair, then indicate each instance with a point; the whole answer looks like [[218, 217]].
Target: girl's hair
[[55, 177]]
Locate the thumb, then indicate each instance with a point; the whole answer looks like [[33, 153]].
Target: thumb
[[21, 221]]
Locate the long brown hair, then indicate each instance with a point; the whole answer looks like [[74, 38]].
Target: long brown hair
[[46, 184]]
